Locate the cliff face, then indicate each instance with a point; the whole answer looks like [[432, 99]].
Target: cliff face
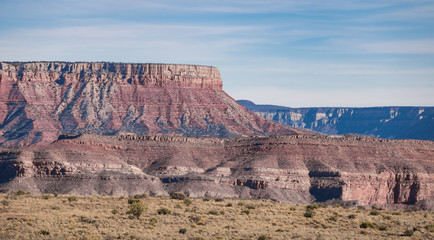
[[383, 122], [294, 168], [41, 100]]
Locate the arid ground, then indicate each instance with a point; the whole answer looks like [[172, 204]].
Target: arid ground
[[31, 216]]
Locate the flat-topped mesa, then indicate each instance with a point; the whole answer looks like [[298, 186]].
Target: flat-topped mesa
[[149, 74], [39, 101]]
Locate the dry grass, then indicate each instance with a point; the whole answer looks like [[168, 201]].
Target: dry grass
[[31, 216]]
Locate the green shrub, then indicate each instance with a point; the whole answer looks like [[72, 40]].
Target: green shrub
[[20, 192], [44, 232], [408, 233], [188, 202], [334, 219], [312, 207], [382, 228], [241, 204], [430, 227], [367, 225], [133, 200], [5, 202], [163, 211], [55, 208], [387, 217], [143, 195], [264, 237], [153, 221], [250, 207], [374, 213], [213, 212], [72, 198], [136, 209], [246, 211], [115, 211], [309, 214], [293, 208], [396, 213], [177, 195], [229, 205], [46, 196]]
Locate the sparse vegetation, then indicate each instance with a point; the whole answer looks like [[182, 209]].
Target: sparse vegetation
[[309, 214], [163, 211], [177, 195], [136, 209], [72, 198], [187, 202], [44, 232], [106, 217], [374, 213], [408, 233], [20, 192], [367, 225], [46, 196]]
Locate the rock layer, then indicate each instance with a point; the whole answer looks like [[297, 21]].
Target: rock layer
[[41, 100], [296, 168]]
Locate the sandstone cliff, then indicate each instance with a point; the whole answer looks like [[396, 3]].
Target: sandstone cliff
[[382, 122], [294, 168], [41, 100]]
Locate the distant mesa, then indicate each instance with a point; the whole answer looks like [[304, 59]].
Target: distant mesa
[[381, 122]]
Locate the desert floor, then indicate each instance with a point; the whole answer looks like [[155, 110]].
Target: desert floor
[[34, 216]]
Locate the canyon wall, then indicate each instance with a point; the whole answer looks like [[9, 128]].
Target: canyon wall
[[41, 100], [291, 168], [382, 122]]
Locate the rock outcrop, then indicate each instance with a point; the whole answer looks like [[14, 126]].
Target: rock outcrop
[[292, 168], [41, 100], [382, 122]]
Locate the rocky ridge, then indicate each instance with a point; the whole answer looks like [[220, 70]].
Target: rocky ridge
[[292, 168], [41, 100], [382, 122]]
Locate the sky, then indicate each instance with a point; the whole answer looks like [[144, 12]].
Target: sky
[[334, 53]]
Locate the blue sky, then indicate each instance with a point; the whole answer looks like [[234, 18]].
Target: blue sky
[[292, 53]]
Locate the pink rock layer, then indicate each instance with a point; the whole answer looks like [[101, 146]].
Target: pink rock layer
[[41, 100], [291, 168]]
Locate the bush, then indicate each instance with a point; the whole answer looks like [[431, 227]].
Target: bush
[[352, 216], [396, 213], [136, 209], [133, 200], [293, 208], [177, 195], [55, 208], [44, 232], [213, 212], [219, 199], [250, 207], [163, 211], [246, 211], [153, 221], [382, 228], [229, 205], [408, 233], [367, 225], [72, 198], [430, 227], [115, 211], [20, 192], [46, 196], [264, 237], [182, 230], [334, 219], [188, 202], [374, 213], [241, 204], [309, 214], [194, 218], [5, 202], [312, 207], [143, 195], [206, 199]]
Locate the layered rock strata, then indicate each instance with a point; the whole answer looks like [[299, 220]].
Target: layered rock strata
[[41, 100], [295, 168]]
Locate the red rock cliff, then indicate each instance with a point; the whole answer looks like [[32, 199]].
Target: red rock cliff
[[41, 100]]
